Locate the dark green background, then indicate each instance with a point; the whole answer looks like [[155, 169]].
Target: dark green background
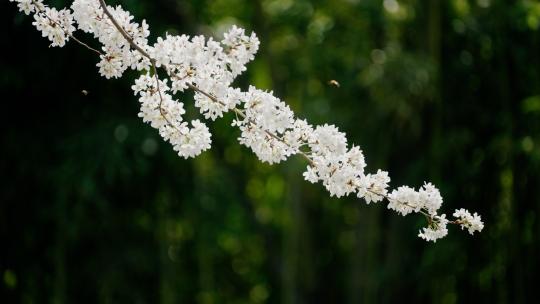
[[95, 208]]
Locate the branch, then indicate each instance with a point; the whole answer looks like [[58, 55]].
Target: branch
[[239, 112], [128, 38], [340, 169], [132, 43]]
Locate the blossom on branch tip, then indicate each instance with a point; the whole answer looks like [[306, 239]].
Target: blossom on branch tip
[[471, 222]]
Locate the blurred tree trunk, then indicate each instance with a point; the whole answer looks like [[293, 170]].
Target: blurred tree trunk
[[436, 105], [364, 257], [291, 244], [59, 295], [167, 278]]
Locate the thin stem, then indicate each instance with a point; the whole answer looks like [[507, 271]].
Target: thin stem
[[161, 110], [85, 45]]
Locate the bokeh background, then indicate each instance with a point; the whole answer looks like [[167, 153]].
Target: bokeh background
[[95, 208]]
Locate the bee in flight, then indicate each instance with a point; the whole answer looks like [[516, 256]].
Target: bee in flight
[[334, 83]]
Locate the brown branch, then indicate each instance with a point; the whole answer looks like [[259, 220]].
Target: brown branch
[[86, 45], [132, 43], [243, 115], [128, 38]]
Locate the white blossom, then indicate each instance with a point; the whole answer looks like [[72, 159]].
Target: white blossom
[[327, 139], [191, 144], [430, 198], [298, 135], [311, 175], [111, 65], [29, 6], [55, 25], [373, 187], [436, 230], [266, 147], [404, 200], [87, 14], [118, 56], [267, 111], [240, 48], [471, 222]]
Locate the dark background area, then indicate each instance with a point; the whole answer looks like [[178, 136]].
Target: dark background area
[[95, 208]]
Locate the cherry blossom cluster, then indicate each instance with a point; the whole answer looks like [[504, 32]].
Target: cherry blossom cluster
[[267, 124], [163, 112], [56, 25], [471, 222]]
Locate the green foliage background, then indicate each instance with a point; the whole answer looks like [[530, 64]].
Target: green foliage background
[[95, 208]]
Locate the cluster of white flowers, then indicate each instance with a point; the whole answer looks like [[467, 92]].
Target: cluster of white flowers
[[56, 25], [405, 199], [466, 220], [161, 111], [29, 6], [241, 49], [436, 230], [268, 126], [264, 122], [117, 54]]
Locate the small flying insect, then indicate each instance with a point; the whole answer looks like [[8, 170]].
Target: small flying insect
[[334, 83], [85, 92]]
